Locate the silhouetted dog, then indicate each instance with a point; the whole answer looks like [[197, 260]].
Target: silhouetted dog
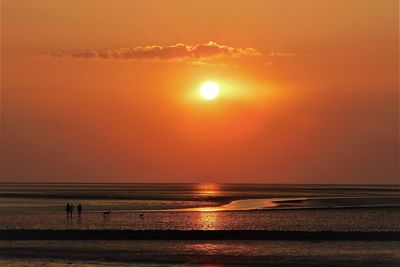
[[106, 213]]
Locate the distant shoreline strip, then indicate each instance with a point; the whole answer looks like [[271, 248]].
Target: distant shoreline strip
[[193, 235]]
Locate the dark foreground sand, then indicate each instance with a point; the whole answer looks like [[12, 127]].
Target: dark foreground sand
[[197, 248], [199, 253], [195, 235]]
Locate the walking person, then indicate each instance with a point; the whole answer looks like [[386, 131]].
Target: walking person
[[79, 209], [71, 209], [67, 209]]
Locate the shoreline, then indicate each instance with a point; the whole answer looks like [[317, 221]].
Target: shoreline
[[278, 207], [250, 204], [28, 234]]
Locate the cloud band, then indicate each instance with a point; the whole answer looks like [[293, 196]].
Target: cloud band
[[177, 52]]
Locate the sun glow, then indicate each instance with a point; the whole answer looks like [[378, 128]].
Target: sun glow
[[209, 90]]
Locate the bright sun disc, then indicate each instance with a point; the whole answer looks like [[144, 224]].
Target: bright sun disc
[[209, 90]]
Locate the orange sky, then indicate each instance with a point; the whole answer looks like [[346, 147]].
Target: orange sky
[[107, 91]]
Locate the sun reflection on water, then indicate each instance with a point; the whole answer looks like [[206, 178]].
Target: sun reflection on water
[[208, 220]]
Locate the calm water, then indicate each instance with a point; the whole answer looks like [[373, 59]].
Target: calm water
[[202, 206]]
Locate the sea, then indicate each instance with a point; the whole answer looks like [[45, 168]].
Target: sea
[[206, 206]]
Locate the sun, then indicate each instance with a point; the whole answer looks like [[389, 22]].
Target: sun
[[209, 90]]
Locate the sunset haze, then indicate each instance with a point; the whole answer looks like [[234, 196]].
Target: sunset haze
[[110, 91]]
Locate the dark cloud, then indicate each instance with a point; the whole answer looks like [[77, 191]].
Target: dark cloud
[[177, 52]]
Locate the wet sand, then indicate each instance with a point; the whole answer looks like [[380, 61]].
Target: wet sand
[[341, 220], [199, 253]]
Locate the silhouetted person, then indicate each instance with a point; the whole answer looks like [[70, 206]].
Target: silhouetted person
[[71, 209], [68, 209], [79, 209]]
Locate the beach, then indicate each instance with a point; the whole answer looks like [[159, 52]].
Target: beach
[[206, 225]]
